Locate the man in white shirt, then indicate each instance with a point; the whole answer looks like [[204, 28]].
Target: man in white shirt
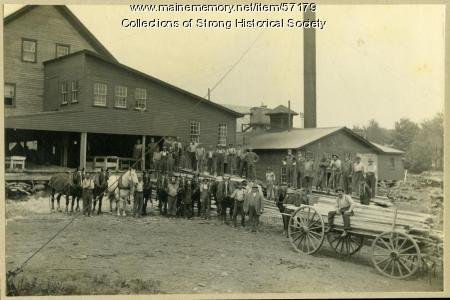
[[344, 207], [357, 176], [371, 176], [88, 190]]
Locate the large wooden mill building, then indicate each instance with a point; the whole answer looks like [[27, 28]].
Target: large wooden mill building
[[69, 99]]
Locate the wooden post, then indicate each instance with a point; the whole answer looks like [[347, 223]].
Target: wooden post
[[143, 153], [209, 94], [289, 115], [83, 148]]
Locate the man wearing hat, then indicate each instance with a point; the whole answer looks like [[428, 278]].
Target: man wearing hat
[[238, 196], [290, 167], [138, 198], [347, 170], [172, 193], [88, 190], [251, 158], [344, 207], [205, 198], [309, 174], [254, 206], [336, 170], [357, 176], [371, 178]]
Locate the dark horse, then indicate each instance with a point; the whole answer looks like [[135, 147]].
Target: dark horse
[[68, 185], [100, 187]]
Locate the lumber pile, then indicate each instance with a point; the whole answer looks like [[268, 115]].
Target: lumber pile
[[376, 219], [16, 190]]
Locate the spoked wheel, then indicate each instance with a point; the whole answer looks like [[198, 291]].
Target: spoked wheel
[[347, 245], [306, 230], [395, 254]]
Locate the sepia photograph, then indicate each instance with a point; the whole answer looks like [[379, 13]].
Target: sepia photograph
[[224, 150]]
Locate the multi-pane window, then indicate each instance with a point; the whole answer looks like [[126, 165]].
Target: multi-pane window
[[121, 96], [222, 135], [10, 93], [29, 49], [74, 91], [64, 92], [100, 91], [62, 50], [195, 131], [141, 98]]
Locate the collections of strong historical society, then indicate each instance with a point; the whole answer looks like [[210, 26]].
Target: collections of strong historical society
[[224, 24]]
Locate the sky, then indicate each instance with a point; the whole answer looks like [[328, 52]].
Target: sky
[[381, 62]]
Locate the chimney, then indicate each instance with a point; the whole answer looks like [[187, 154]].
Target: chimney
[[309, 73]]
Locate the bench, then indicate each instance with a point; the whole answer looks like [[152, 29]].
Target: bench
[[12, 161]]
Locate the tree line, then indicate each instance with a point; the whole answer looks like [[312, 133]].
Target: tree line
[[423, 142]]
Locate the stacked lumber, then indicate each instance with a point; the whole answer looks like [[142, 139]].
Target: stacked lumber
[[376, 219], [18, 189]]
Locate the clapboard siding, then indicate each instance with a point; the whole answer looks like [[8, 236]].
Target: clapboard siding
[[169, 111], [390, 167], [46, 25]]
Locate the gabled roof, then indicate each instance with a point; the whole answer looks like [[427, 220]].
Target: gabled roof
[[146, 76], [76, 23], [387, 149], [281, 109], [245, 110], [298, 138]]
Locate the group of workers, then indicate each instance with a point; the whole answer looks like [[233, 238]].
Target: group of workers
[[352, 176], [173, 155]]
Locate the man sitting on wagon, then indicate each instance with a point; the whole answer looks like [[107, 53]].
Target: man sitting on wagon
[[344, 207]]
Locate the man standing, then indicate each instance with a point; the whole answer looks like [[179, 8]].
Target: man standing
[[344, 207], [371, 176], [347, 170], [157, 160], [238, 196], [191, 154], [187, 200], [200, 155], [164, 157], [138, 198], [205, 199], [220, 160], [231, 157], [137, 151], [210, 160], [290, 166], [309, 174], [88, 190], [172, 192], [151, 149], [251, 159], [323, 165], [336, 170], [300, 170], [270, 181], [161, 192], [254, 205], [358, 176], [177, 149]]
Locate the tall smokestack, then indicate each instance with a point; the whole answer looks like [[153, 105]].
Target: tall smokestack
[[309, 73]]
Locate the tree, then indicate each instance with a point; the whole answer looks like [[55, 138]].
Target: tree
[[427, 148], [403, 134], [374, 133]]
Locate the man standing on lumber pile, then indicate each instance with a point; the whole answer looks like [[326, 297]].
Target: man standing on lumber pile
[[309, 174], [300, 170], [347, 170], [270, 181], [251, 158], [371, 178], [344, 207], [290, 167], [336, 170], [322, 176], [358, 176]]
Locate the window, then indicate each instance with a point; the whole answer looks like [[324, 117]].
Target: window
[[10, 94], [121, 96], [195, 131], [100, 94], [62, 50], [74, 92], [64, 92], [141, 98], [222, 135], [29, 49], [392, 160]]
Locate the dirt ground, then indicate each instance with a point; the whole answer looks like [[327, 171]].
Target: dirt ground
[[122, 255]]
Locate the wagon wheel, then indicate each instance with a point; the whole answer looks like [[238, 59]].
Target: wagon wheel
[[306, 230], [395, 254], [347, 245]]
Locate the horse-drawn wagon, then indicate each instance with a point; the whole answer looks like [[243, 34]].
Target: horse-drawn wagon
[[401, 241]]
